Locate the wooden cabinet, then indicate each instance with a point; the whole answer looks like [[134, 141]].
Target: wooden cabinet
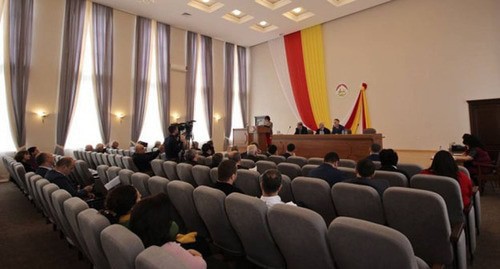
[[485, 123]]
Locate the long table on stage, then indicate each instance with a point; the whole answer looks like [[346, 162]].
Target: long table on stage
[[353, 146]]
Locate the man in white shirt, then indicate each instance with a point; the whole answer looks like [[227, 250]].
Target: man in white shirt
[[271, 185]]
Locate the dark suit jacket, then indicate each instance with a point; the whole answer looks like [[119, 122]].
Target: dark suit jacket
[[172, 146], [63, 182], [338, 130], [143, 161], [325, 130], [328, 173], [301, 131], [379, 185], [42, 171], [374, 157], [391, 168], [226, 188]]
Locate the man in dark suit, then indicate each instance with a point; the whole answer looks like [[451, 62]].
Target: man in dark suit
[[337, 127], [389, 161], [290, 148], [328, 170], [236, 158], [45, 163], [142, 159], [374, 152], [365, 170], [301, 129], [226, 173], [59, 176], [173, 144], [322, 130]]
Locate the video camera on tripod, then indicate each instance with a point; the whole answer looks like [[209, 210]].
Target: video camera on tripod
[[186, 127]]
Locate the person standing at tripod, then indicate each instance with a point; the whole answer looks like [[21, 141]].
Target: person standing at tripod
[[174, 143]]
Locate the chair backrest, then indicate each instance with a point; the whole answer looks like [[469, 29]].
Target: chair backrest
[[125, 176], [82, 169], [20, 174], [261, 157], [395, 179], [201, 175], [464, 170], [112, 160], [307, 168], [290, 169], [315, 160], [140, 182], [410, 168], [214, 174], [248, 217], [248, 182], [101, 172], [119, 161], [422, 217], [299, 160], [58, 199], [170, 170], [369, 131], [155, 257], [315, 194], [347, 163], [277, 159], [358, 201], [185, 173], [36, 197], [91, 224], [157, 185], [95, 161], [448, 188], [348, 172], [208, 161], [247, 163], [47, 191], [377, 164], [157, 166], [210, 205], [181, 196], [121, 246], [387, 247], [113, 172], [201, 160], [27, 183], [263, 166], [286, 192], [129, 163], [104, 158], [292, 227], [39, 184], [72, 207]]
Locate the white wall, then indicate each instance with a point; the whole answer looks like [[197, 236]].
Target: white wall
[[421, 59]]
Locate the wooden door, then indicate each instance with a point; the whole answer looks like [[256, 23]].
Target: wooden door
[[485, 123]]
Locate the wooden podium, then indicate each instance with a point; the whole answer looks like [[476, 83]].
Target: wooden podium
[[260, 137], [242, 137]]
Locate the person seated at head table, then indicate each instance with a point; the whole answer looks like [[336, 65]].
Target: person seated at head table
[[301, 129], [337, 127], [322, 129]]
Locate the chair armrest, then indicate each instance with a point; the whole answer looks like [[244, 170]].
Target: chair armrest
[[456, 231], [475, 189], [468, 209]]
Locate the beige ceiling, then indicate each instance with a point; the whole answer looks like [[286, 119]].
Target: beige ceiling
[[212, 24]]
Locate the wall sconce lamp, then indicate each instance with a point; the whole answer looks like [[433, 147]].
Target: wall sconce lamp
[[217, 117], [176, 116], [120, 116], [42, 115]]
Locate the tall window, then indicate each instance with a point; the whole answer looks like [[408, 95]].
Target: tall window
[[151, 128], [237, 119], [7, 142], [84, 126], [200, 130]]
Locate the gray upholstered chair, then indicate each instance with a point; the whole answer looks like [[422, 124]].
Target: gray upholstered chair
[[294, 227], [58, 199], [395, 179], [290, 169], [248, 182], [125, 176], [112, 160], [262, 166], [201, 175], [155, 257], [119, 161], [210, 205], [348, 172], [95, 161], [422, 217], [347, 163], [121, 246], [27, 183], [214, 174], [185, 173], [47, 191], [358, 201], [387, 248], [315, 160], [129, 163], [101, 172], [201, 160], [140, 182], [247, 163], [104, 159], [410, 168], [369, 131], [377, 164], [286, 193], [36, 197], [300, 161], [157, 185], [83, 172], [261, 157], [307, 168], [277, 159], [91, 224], [39, 184], [248, 217], [157, 166], [208, 161], [72, 207], [315, 194], [20, 175], [170, 170], [112, 172], [181, 196]]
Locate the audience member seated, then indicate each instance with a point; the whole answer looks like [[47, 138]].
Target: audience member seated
[[301, 129], [374, 152], [365, 170], [270, 185], [337, 127], [45, 163], [322, 130], [142, 159], [191, 157], [89, 148], [290, 148], [156, 146], [389, 161], [236, 158], [33, 151], [100, 148], [251, 153], [475, 155], [234, 148], [328, 169], [226, 177], [173, 144], [271, 150], [195, 145], [258, 151], [23, 157], [151, 220], [145, 144], [443, 164], [59, 176], [119, 203], [216, 160], [115, 145], [206, 150]]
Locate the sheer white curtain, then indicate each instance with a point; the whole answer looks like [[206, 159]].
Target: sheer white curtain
[[200, 130], [237, 117], [84, 126], [7, 141]]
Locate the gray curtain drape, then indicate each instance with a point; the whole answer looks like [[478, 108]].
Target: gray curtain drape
[[242, 73], [228, 90], [142, 46], [103, 65], [207, 78], [74, 19], [191, 51], [164, 75], [20, 33]]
